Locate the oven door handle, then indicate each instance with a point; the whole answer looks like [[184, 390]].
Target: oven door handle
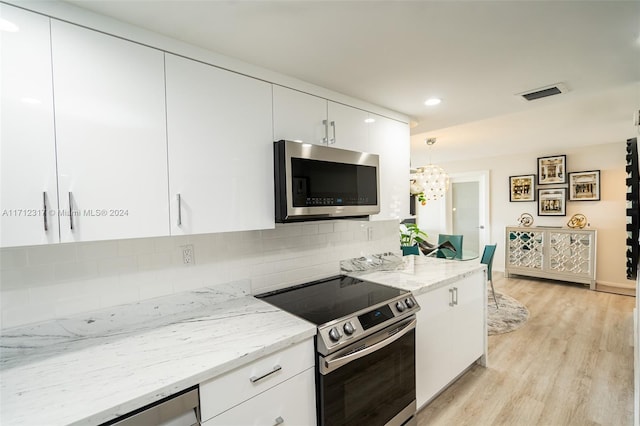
[[329, 364]]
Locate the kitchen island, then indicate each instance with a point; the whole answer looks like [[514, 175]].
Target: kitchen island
[[418, 274], [95, 367]]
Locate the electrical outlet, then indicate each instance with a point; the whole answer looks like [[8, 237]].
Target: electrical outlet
[[188, 256]]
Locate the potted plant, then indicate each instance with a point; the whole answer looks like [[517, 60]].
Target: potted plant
[[410, 236]]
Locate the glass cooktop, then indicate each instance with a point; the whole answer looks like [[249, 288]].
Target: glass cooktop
[[329, 299]]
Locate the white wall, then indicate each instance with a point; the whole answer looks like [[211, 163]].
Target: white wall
[[44, 282], [608, 215]]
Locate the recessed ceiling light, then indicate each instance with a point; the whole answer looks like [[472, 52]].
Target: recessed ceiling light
[[369, 120], [432, 101]]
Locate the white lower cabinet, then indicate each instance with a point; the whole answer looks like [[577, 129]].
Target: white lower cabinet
[[292, 402], [451, 334], [279, 388]]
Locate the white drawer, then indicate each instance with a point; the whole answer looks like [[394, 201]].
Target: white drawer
[[234, 387], [291, 403]]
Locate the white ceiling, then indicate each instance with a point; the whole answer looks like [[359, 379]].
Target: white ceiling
[[475, 55]]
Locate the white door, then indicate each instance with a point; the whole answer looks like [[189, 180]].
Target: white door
[[298, 116], [220, 149], [27, 144], [348, 127], [467, 210], [110, 135], [390, 139]]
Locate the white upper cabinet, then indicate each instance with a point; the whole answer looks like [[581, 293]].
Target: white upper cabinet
[[27, 144], [220, 149], [348, 127], [390, 139], [298, 116], [111, 136], [307, 118]]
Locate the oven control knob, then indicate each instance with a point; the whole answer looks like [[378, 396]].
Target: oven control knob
[[400, 306], [349, 328], [409, 302], [334, 334]]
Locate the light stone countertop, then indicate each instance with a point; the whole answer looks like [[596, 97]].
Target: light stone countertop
[[90, 369], [418, 274]]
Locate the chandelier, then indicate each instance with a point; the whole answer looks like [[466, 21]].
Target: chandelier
[[432, 179]]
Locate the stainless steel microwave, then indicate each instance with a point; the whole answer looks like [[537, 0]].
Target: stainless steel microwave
[[315, 182]]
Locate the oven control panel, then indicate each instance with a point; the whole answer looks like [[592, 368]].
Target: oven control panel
[[338, 333]]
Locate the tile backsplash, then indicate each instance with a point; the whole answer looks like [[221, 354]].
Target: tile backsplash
[[43, 282]]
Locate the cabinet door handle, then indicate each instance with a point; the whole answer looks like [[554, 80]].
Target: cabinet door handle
[[455, 293], [326, 131], [45, 213], [450, 297], [333, 125], [275, 369], [279, 420], [71, 210], [179, 209]]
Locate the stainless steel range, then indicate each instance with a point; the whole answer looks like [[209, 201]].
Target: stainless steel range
[[366, 349]]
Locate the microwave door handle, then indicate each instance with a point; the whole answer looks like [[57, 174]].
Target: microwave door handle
[[327, 366]]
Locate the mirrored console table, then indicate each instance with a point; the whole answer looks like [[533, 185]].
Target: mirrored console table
[[554, 253]]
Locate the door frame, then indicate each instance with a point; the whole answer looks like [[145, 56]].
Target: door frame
[[482, 177]]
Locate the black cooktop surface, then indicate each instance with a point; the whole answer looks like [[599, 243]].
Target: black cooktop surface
[[329, 299]]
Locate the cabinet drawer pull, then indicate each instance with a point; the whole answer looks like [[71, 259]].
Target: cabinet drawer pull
[[450, 297], [179, 209], [71, 210], [255, 379], [45, 213], [455, 294], [279, 421]]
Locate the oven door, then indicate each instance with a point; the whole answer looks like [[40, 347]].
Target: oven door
[[371, 382]]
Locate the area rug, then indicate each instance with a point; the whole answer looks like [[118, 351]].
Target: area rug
[[511, 315]]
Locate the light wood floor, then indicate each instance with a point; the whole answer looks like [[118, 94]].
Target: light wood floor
[[570, 364]]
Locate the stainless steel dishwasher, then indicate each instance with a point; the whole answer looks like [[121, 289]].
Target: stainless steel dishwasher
[[182, 409]]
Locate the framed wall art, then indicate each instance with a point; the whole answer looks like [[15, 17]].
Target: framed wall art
[[552, 170], [584, 186], [522, 188], [552, 202]]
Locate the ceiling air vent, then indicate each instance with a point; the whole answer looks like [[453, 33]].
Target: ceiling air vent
[[543, 92]]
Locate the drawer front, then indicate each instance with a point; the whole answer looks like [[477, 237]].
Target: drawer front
[[230, 389], [292, 402]]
